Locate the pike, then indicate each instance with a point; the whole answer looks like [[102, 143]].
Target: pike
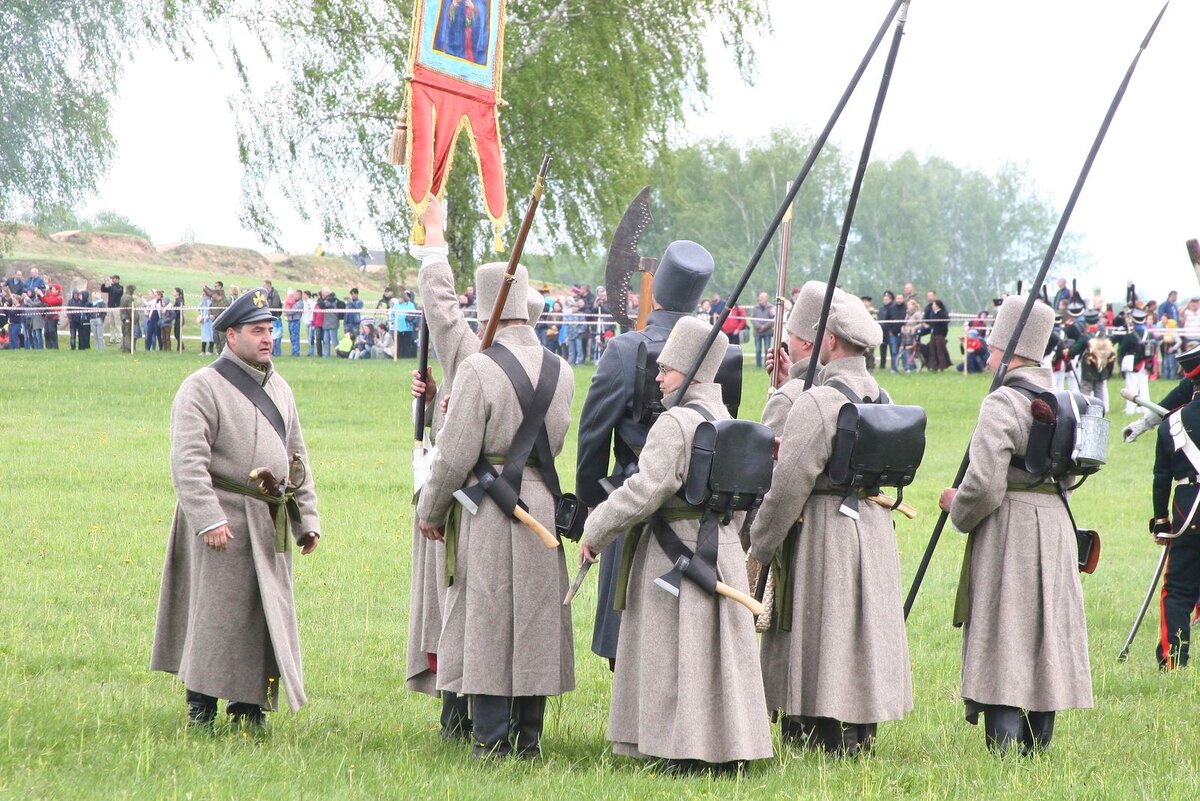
[[781, 282], [1031, 298], [514, 260], [790, 197], [421, 458], [624, 260]]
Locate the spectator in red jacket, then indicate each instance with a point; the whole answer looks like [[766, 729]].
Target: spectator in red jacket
[[54, 301]]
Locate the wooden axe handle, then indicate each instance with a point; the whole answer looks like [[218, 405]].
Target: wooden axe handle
[[755, 607], [888, 503], [548, 539]]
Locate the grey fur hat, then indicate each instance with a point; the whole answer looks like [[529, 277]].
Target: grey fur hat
[[681, 275], [806, 311], [537, 305], [488, 280], [1032, 340], [849, 320], [683, 348]]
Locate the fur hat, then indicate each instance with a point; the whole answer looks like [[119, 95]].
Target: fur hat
[[537, 305], [681, 276], [488, 280], [806, 311], [849, 320], [1031, 341], [683, 348]]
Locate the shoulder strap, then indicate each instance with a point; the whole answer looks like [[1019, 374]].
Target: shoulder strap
[[535, 403], [254, 393], [700, 410], [1026, 388], [852, 397]]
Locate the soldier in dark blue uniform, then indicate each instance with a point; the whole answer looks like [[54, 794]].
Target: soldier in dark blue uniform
[[1182, 394], [1176, 525], [607, 423]]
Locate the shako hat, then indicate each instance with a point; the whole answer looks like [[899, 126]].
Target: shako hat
[[1075, 308], [1138, 316], [1091, 316], [249, 307], [1189, 360], [850, 321], [1031, 341], [681, 275], [806, 311], [488, 280]]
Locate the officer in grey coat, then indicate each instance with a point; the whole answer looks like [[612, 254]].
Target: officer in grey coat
[[607, 423]]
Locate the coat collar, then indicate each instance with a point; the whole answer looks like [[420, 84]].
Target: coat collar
[[707, 395], [258, 375], [848, 367], [1041, 376], [517, 335]]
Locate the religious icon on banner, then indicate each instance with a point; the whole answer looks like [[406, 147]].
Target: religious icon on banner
[[454, 86]]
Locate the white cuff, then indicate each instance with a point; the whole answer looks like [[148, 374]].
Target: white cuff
[[430, 254], [210, 528]]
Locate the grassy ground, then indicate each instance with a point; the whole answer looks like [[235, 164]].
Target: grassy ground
[[84, 516]]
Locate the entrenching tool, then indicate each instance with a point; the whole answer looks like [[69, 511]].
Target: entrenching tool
[[471, 497], [706, 577], [624, 260], [1031, 298]]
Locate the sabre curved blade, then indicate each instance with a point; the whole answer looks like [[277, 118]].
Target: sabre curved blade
[[623, 256]]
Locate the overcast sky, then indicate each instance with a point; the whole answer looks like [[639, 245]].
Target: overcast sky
[[1026, 81]]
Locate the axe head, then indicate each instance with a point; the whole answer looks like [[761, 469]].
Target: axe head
[[671, 580], [470, 497], [1193, 249], [421, 460], [623, 257]]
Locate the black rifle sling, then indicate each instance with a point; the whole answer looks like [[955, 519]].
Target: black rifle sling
[[707, 538], [852, 397], [254, 393], [531, 434], [1030, 391]]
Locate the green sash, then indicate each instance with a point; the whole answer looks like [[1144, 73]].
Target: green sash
[[634, 537], [287, 500]]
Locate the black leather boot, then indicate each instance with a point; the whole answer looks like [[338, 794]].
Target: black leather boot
[[530, 714], [866, 736], [1002, 727], [836, 738], [793, 730], [246, 716], [491, 723], [456, 722], [202, 709], [1038, 731]]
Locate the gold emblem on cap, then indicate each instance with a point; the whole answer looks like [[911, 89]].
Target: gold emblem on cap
[[259, 300]]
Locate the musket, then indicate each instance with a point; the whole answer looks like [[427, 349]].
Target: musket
[[852, 203], [1031, 298], [419, 463], [785, 247], [514, 260], [790, 197]]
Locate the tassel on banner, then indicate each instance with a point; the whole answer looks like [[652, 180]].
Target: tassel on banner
[[497, 242], [396, 153], [418, 232]]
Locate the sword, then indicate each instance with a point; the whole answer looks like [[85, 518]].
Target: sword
[[577, 583], [1141, 615], [420, 458]]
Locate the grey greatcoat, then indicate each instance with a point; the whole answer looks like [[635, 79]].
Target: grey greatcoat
[[779, 405], [1025, 635], [452, 340], [606, 425], [505, 630], [846, 656], [227, 619], [687, 685]]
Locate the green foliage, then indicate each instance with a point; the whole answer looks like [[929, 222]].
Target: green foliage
[[59, 66], [962, 232], [63, 218], [598, 83], [84, 518]]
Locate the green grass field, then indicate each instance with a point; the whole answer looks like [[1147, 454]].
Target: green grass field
[[86, 507]]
